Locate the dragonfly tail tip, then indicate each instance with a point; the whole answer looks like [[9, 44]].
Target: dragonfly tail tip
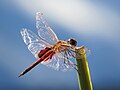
[[20, 75]]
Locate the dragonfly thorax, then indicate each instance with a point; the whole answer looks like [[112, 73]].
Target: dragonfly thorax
[[60, 46]]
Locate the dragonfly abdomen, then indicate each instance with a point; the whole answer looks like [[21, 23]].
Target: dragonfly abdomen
[[42, 52], [45, 55]]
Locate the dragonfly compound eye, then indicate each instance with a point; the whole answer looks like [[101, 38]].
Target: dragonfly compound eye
[[72, 41]]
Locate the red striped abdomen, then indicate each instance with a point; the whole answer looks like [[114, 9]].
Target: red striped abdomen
[[42, 52], [43, 55]]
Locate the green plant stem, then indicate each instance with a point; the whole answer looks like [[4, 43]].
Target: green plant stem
[[84, 79]]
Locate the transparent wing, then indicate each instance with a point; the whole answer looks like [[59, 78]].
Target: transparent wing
[[44, 30], [33, 42], [59, 63]]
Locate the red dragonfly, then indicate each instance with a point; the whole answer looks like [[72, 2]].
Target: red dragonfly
[[47, 48]]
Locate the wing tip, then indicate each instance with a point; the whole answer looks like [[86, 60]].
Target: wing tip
[[22, 31], [39, 13]]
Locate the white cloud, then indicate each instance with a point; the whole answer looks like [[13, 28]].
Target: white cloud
[[87, 18]]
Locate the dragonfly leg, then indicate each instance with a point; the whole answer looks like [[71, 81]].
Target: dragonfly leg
[[65, 56], [76, 69], [75, 64], [70, 52]]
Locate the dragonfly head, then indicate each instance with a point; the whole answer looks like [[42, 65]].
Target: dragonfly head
[[72, 41]]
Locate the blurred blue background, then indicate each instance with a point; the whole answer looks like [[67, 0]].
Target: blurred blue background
[[95, 24]]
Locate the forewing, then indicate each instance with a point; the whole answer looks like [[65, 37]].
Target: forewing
[[33, 42], [57, 63], [44, 30]]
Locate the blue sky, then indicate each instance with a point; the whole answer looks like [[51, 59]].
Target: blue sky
[[94, 24]]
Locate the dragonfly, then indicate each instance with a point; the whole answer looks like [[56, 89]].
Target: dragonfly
[[47, 48]]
